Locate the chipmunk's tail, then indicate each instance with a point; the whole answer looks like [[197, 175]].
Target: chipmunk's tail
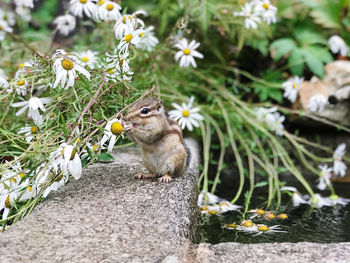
[[192, 150]]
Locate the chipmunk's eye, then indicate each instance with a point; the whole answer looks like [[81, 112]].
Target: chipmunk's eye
[[145, 110]]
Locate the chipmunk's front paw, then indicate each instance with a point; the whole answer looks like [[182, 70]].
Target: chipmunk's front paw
[[165, 179], [144, 176]]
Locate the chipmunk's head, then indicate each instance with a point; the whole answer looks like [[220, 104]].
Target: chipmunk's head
[[146, 120]]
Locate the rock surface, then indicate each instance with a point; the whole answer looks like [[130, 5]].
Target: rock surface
[[273, 252], [108, 216]]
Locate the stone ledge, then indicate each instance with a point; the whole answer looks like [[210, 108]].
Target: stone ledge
[[302, 252], [108, 216]]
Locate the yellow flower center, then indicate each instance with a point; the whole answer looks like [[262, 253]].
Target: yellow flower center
[[294, 85], [128, 38], [101, 2], [83, 1], [121, 61], [263, 228], [109, 7], [22, 175], [13, 180], [21, 65], [185, 113], [231, 225], [20, 82], [85, 59], [204, 208], [248, 223], [95, 148], [141, 34], [78, 140], [116, 128], [337, 158], [33, 129], [271, 216], [283, 216], [111, 71], [7, 202], [260, 212], [212, 212], [30, 188], [266, 6], [67, 65], [72, 154], [124, 19], [223, 204], [0, 27], [187, 51]]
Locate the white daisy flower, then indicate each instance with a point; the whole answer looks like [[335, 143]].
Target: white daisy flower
[[88, 7], [4, 29], [320, 201], [336, 200], [339, 166], [121, 25], [108, 10], [65, 24], [291, 88], [33, 105], [148, 41], [68, 160], [65, 66], [212, 204], [338, 45], [274, 121], [7, 199], [252, 18], [298, 199], [8, 17], [26, 3], [23, 12], [266, 10], [131, 36], [187, 52], [21, 86], [29, 132], [112, 129], [325, 177], [186, 115], [88, 58], [317, 103], [4, 85]]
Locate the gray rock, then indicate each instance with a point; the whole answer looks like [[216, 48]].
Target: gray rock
[[108, 216], [270, 252]]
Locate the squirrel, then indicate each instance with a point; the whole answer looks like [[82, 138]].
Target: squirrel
[[164, 152]]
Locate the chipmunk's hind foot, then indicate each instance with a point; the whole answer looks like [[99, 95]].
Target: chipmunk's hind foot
[[165, 179], [144, 176]]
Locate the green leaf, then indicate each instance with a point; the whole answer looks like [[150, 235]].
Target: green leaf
[[296, 61], [105, 157], [315, 64], [260, 184], [282, 46], [308, 37], [320, 53]]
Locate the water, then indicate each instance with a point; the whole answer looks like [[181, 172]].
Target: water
[[323, 225]]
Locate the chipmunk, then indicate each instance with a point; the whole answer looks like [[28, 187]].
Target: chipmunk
[[164, 152]]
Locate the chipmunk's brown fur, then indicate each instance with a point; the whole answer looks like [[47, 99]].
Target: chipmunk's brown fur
[[164, 152]]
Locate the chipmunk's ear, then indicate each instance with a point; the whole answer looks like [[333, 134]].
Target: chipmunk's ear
[[161, 102]]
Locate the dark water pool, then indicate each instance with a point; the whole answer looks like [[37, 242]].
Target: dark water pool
[[324, 225]]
